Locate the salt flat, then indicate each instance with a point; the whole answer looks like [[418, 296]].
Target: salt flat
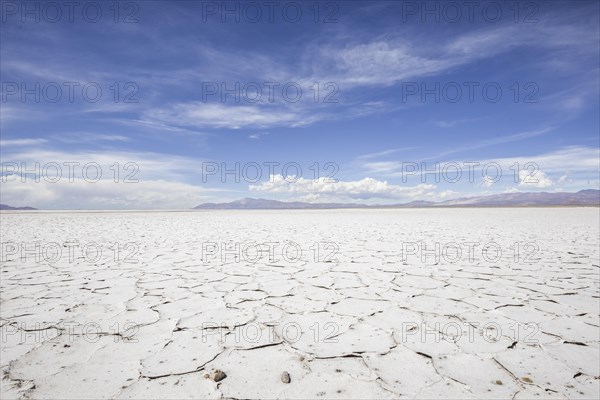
[[350, 303]]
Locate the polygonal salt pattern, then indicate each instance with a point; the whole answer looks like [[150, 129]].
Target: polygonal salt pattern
[[370, 324]]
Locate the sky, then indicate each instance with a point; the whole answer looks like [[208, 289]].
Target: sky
[[167, 105]]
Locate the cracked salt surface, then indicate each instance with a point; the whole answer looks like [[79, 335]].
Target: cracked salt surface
[[366, 323]]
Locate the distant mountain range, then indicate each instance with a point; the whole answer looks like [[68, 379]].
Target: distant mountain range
[[258, 204], [5, 207], [588, 197]]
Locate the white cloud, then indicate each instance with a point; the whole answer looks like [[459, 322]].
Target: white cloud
[[390, 59], [382, 167], [86, 137], [487, 181], [449, 194], [224, 115], [534, 179], [322, 188], [446, 124], [379, 63], [162, 180], [384, 60], [573, 158], [451, 123], [497, 140], [394, 168], [258, 135], [104, 194], [578, 160], [369, 61], [564, 180], [45, 71], [21, 142], [150, 165]]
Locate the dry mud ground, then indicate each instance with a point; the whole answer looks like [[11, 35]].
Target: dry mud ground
[[350, 303]]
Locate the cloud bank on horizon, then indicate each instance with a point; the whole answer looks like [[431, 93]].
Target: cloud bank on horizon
[[149, 104]]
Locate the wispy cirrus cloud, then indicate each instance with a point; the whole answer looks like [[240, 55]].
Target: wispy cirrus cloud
[[568, 166], [151, 165], [117, 179], [22, 142], [392, 167], [366, 62], [89, 137], [221, 115], [104, 194]]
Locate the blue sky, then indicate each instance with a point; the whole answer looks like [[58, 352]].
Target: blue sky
[[398, 92]]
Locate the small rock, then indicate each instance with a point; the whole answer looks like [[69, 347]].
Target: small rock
[[498, 382], [527, 379], [217, 375], [285, 377]]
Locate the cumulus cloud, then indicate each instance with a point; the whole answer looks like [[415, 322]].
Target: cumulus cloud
[[325, 188], [534, 179], [487, 181], [564, 180]]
